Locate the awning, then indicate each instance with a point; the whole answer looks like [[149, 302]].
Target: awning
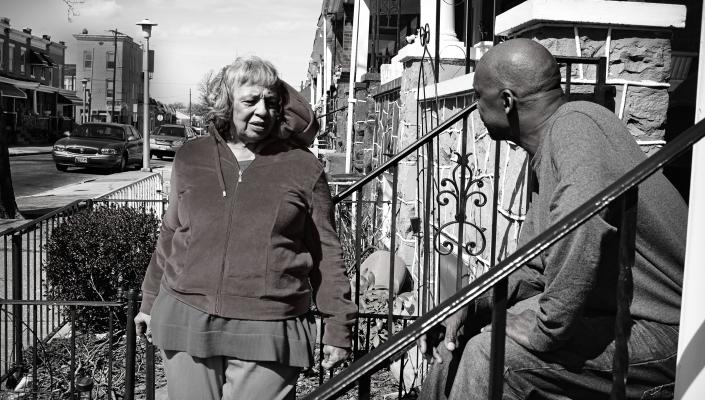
[[50, 62], [8, 90], [46, 89], [20, 84], [36, 58], [69, 98]]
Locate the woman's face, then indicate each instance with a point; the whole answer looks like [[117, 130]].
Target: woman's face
[[255, 112]]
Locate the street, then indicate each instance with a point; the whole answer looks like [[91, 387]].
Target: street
[[33, 174]]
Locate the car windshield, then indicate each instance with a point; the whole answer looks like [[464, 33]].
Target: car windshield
[[176, 131], [100, 132]]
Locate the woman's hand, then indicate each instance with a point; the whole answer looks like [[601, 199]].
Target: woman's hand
[[142, 325], [332, 356]]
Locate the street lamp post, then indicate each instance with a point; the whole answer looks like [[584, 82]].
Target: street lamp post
[[146, 25], [84, 81]]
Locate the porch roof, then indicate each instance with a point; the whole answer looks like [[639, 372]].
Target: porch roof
[[8, 90]]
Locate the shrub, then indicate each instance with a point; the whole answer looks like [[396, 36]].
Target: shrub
[[96, 255]]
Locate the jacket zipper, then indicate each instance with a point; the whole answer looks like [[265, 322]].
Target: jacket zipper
[[227, 243]]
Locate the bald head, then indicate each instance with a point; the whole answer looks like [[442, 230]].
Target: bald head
[[521, 65]]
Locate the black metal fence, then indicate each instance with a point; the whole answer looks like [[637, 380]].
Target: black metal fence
[[24, 279], [81, 359]]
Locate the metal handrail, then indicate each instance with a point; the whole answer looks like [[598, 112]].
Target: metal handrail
[[32, 223], [527, 252], [406, 152]]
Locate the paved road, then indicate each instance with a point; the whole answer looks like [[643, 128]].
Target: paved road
[[35, 174]]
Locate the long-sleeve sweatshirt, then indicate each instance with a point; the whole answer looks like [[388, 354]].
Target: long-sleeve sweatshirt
[[256, 245], [584, 149]]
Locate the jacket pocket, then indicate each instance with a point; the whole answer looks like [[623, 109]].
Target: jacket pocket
[[290, 262]]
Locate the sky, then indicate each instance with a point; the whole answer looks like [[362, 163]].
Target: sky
[[192, 36]]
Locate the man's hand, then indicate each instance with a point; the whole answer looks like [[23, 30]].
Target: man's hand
[[518, 326], [428, 343], [332, 356], [142, 325]]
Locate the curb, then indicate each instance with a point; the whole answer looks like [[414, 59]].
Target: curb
[[29, 153]]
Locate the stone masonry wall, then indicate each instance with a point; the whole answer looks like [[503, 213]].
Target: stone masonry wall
[[642, 59]]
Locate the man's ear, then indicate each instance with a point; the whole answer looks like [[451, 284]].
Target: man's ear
[[508, 100]]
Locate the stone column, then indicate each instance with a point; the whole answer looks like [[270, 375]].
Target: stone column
[[450, 46]]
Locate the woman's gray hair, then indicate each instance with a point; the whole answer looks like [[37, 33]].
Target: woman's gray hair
[[250, 70]]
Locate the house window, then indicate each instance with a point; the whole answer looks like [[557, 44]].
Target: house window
[[2, 46], [11, 58], [51, 76], [87, 59], [23, 59], [109, 87], [110, 60]]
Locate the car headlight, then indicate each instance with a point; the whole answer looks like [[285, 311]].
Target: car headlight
[[59, 147], [152, 141], [177, 143], [111, 152]]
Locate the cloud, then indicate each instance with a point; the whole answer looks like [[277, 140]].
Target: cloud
[[196, 31], [99, 8]]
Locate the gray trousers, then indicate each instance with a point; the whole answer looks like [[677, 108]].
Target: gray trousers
[[227, 378], [582, 369]]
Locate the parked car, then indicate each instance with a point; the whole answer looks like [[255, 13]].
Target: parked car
[[99, 145], [168, 138], [200, 131]]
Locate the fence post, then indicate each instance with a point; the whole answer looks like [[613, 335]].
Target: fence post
[[627, 204], [17, 295], [150, 379], [131, 349]]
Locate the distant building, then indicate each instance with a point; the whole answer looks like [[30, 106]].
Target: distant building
[[111, 67], [34, 103]]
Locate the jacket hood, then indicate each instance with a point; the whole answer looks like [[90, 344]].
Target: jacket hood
[[299, 122]]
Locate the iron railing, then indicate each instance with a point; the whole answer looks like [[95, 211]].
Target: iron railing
[[623, 191], [23, 253], [79, 357]]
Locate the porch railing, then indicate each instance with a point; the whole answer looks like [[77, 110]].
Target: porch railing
[[23, 254], [624, 191]]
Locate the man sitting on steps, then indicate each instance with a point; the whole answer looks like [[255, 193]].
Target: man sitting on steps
[[560, 328]]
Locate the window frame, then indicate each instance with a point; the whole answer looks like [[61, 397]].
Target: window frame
[[11, 58], [109, 89], [23, 60], [87, 59], [110, 59]]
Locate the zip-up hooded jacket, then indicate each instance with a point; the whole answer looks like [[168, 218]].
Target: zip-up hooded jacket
[[256, 245]]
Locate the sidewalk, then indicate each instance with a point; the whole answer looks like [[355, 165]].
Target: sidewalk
[[36, 205], [29, 150]]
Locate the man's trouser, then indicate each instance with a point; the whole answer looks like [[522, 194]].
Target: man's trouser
[[582, 369]]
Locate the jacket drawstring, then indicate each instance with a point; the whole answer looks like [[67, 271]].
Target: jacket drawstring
[[219, 169]]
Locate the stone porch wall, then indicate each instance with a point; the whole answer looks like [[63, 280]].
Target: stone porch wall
[[639, 68]]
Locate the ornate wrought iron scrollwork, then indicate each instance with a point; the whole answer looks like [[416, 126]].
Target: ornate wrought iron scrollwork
[[461, 191]]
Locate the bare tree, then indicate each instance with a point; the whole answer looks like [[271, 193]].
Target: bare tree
[[8, 204], [207, 85], [72, 8]]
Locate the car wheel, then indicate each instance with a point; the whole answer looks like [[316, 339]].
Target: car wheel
[[62, 168]]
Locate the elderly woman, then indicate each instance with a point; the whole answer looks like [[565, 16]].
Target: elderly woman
[[247, 242]]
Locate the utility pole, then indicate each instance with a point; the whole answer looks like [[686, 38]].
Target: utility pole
[[112, 108], [190, 119]]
